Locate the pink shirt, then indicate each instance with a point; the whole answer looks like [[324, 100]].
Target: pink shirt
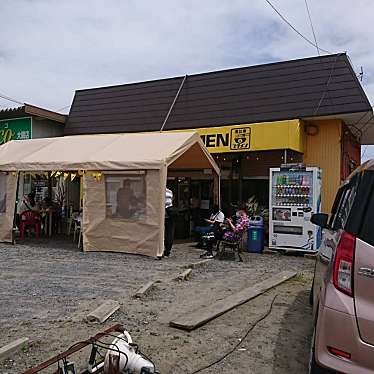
[[241, 226]]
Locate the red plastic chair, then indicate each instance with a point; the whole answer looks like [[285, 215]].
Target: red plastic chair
[[30, 218]]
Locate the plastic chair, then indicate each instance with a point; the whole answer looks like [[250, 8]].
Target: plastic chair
[[30, 218]]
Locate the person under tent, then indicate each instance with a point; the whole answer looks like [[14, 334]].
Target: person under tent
[[170, 214], [216, 218], [27, 203]]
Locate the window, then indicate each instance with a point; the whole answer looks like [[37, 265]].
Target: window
[[366, 233], [367, 230], [343, 205], [126, 196], [3, 188]]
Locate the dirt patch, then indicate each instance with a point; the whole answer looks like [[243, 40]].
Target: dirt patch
[[48, 289]]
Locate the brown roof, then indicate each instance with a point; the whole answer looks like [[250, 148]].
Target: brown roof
[[316, 86], [31, 110]]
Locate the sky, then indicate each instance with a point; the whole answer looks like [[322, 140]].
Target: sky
[[50, 48]]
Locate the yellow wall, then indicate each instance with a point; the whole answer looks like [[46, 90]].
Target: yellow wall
[[324, 150]]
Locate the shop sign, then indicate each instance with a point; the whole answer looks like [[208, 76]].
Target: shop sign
[[15, 129], [253, 137], [234, 139]]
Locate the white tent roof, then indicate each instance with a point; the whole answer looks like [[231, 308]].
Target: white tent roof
[[107, 152]]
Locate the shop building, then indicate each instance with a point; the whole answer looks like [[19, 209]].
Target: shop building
[[30, 122], [312, 111]]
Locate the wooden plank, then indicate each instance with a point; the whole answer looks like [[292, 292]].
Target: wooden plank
[[145, 288], [12, 347], [103, 312], [199, 317]]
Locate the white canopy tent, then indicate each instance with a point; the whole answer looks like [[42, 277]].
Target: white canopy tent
[[124, 181]]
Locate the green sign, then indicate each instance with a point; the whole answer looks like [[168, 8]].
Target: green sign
[[15, 129]]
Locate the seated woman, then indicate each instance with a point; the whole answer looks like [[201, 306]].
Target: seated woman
[[27, 203], [233, 231]]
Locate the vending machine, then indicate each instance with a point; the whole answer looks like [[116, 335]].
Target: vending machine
[[295, 194]]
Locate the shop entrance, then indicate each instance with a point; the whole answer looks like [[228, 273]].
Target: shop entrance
[[193, 198]]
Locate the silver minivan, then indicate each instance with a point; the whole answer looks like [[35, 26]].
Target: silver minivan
[[343, 287]]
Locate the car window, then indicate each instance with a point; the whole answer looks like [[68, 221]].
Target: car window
[[336, 205], [366, 232], [343, 205]]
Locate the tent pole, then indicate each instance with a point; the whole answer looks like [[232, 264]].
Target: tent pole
[[16, 208], [49, 186]]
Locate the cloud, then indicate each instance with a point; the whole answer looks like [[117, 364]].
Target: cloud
[[48, 49]]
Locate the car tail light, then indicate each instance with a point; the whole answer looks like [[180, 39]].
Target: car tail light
[[339, 353], [343, 264]]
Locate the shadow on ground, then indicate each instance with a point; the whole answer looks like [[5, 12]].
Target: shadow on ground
[[291, 351]]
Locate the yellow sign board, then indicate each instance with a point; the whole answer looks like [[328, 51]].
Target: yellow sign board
[[253, 137]]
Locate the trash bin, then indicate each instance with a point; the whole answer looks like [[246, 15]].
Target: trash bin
[[255, 242]]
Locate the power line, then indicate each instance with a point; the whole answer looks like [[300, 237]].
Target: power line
[[365, 126], [240, 341], [311, 25], [327, 83], [318, 51], [361, 118], [363, 153], [10, 99], [294, 29]]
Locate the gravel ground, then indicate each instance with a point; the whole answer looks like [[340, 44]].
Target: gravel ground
[[47, 288]]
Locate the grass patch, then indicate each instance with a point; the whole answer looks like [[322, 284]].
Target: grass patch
[[303, 277], [25, 348]]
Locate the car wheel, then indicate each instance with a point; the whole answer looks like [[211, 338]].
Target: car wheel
[[314, 368]]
